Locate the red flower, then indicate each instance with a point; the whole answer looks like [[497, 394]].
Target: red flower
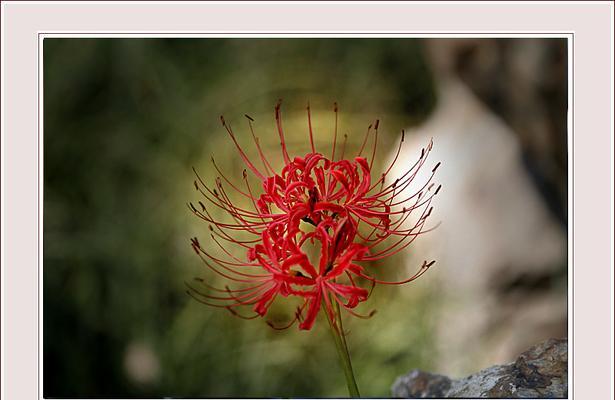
[[351, 217]]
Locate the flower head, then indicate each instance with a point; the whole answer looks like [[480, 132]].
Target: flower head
[[329, 206]]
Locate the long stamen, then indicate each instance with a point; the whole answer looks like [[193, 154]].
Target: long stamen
[[351, 311], [385, 173], [245, 159], [309, 115], [369, 128], [344, 146], [278, 122], [292, 321], [266, 163], [335, 109], [421, 271], [371, 163], [213, 161]]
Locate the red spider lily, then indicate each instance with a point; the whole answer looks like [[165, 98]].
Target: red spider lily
[[351, 216]]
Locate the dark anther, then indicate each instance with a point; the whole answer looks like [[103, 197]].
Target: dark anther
[[403, 134], [308, 220], [195, 245], [297, 273], [436, 167], [437, 190], [377, 123], [248, 117], [329, 268], [313, 197], [428, 213]]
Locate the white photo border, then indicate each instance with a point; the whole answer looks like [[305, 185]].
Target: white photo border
[[41, 34]]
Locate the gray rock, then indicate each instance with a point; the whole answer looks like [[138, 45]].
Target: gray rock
[[539, 372]]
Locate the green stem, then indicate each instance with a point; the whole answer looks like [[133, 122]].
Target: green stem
[[342, 350]]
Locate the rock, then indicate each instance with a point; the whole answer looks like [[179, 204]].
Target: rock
[[540, 372]]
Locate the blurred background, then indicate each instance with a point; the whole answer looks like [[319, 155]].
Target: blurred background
[[125, 120]]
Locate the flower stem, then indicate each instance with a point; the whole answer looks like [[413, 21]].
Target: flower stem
[[342, 351]]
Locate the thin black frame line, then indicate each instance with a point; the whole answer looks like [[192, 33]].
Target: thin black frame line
[[571, 208], [254, 34], [570, 36], [38, 220]]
